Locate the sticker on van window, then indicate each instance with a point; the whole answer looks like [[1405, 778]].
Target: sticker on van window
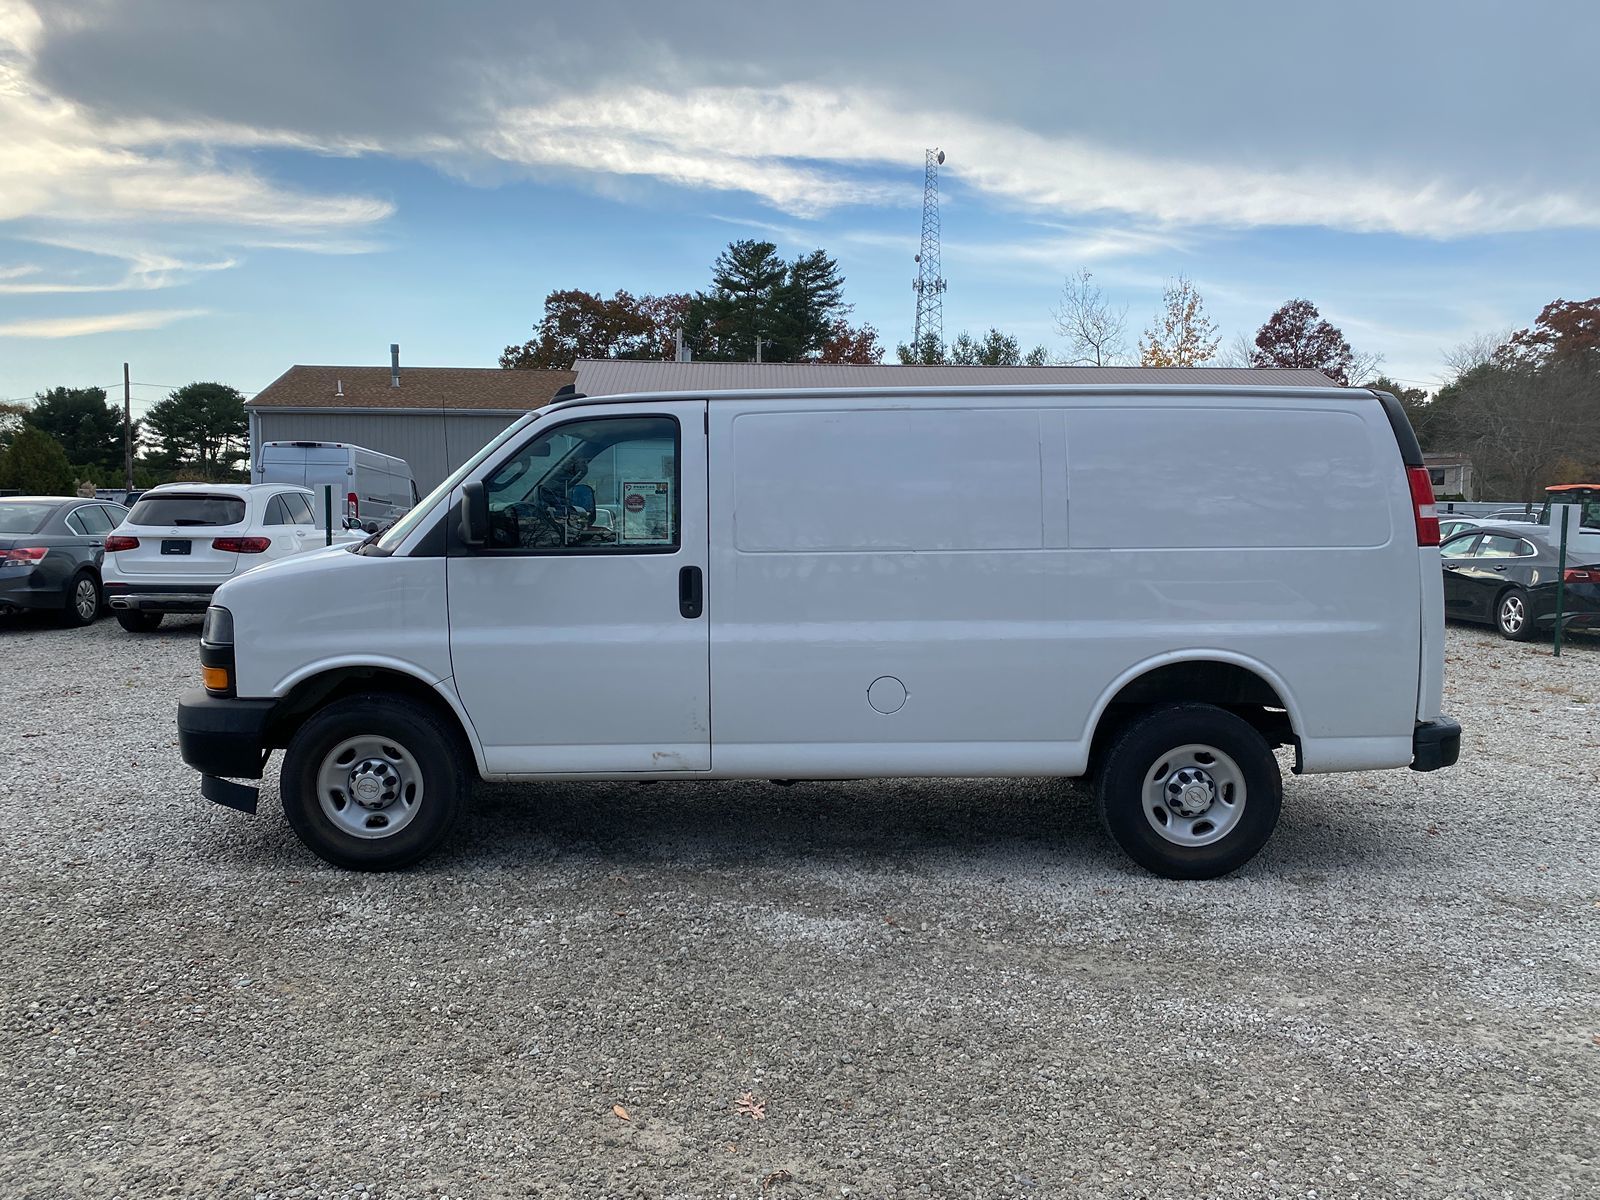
[[647, 513]]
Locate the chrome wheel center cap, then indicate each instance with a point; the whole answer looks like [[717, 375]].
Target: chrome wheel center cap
[[1190, 792]]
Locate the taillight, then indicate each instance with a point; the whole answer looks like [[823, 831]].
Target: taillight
[[1422, 505], [24, 556], [353, 504], [119, 541], [1581, 575], [244, 545]]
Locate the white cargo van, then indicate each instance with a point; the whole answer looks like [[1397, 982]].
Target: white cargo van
[[369, 489], [1153, 585]]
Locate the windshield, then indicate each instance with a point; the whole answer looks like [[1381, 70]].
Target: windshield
[[402, 529], [18, 517]]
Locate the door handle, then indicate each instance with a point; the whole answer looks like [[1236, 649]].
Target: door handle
[[1500, 568], [691, 593]]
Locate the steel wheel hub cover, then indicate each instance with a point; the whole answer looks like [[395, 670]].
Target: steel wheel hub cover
[[374, 784], [1190, 792]]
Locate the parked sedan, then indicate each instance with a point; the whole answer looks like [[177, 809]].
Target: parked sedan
[[51, 549], [1505, 576], [183, 541]]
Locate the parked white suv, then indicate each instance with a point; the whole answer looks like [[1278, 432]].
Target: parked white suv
[[181, 541], [1157, 586]]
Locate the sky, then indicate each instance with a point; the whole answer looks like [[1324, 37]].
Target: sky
[[220, 190]]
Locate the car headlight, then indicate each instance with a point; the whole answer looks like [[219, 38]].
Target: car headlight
[[218, 627]]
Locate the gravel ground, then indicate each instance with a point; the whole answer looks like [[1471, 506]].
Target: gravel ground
[[953, 989]]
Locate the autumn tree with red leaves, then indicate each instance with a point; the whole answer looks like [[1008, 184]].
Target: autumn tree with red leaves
[[578, 324], [1298, 336]]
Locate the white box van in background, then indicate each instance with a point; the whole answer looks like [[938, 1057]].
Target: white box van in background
[[1153, 586], [368, 487]]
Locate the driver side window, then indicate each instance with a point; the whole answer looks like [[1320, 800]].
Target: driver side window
[[602, 485]]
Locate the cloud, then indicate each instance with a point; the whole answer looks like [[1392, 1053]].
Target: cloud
[[145, 269], [63, 163], [67, 327], [788, 145]]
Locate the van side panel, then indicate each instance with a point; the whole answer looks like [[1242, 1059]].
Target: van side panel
[[891, 553], [931, 587], [1284, 535]]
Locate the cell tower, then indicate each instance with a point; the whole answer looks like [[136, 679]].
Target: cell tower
[[929, 284]]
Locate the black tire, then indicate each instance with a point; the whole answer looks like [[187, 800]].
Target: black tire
[[1513, 616], [1151, 742], [416, 731], [137, 621], [75, 611]]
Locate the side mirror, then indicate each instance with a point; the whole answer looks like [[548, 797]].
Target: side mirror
[[474, 514], [581, 497]]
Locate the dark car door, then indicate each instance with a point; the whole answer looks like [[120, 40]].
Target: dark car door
[[91, 524], [1456, 558], [1493, 565]]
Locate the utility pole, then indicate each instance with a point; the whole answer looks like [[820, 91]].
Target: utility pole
[[127, 430], [929, 284]]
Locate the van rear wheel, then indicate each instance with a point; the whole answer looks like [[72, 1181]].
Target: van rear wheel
[[373, 782], [1190, 791]]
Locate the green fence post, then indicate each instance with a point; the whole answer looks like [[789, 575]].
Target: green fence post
[[327, 510], [1561, 575]]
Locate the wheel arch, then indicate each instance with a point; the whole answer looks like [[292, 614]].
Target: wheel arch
[[310, 690], [1225, 678]]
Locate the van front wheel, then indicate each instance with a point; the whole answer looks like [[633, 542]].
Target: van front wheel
[[373, 782], [1190, 791]]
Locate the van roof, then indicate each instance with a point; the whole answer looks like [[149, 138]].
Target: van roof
[[1002, 389]]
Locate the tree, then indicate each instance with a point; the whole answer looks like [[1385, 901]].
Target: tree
[[1565, 331], [994, 349], [926, 352], [12, 417], [1298, 336], [1181, 334], [743, 307], [202, 426], [35, 465], [578, 324], [848, 343], [1429, 419], [791, 310], [1096, 333], [88, 430], [809, 300]]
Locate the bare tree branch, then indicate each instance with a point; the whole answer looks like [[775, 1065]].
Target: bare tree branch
[[1096, 333]]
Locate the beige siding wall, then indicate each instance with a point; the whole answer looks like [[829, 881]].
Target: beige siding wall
[[434, 444]]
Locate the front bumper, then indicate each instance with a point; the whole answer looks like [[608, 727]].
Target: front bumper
[[1435, 744], [159, 597], [224, 739]]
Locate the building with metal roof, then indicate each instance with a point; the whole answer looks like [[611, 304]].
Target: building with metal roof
[[615, 376]]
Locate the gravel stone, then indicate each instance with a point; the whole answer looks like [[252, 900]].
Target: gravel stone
[[937, 988]]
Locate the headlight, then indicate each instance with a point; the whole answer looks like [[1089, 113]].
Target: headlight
[[218, 627]]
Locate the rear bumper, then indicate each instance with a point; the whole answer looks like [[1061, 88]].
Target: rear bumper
[[223, 737], [30, 590], [161, 598], [1435, 744]]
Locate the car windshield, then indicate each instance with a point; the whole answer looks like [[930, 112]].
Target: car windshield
[[401, 529], [187, 510], [20, 516]]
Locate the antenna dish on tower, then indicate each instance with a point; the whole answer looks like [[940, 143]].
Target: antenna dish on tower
[[940, 159]]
